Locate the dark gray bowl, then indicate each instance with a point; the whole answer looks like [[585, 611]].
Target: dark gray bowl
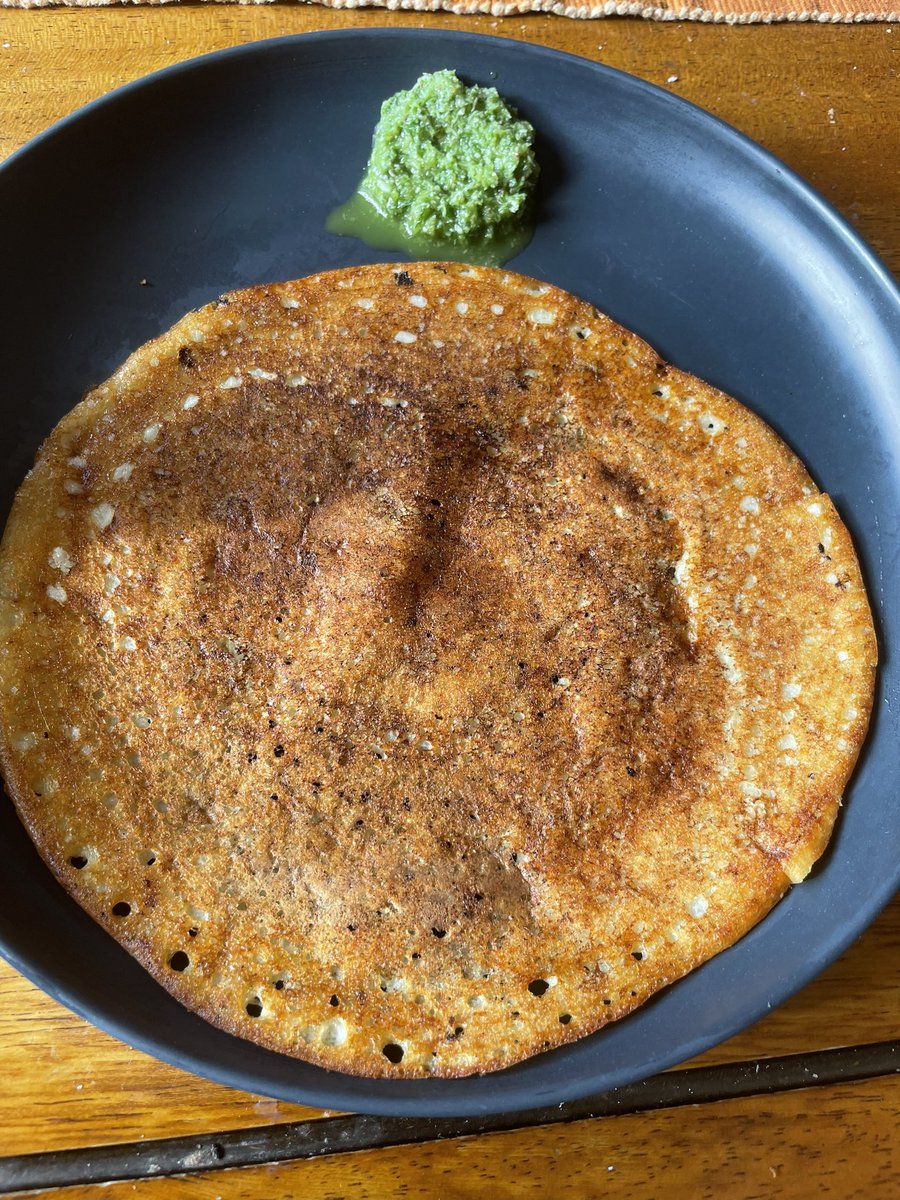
[[219, 173]]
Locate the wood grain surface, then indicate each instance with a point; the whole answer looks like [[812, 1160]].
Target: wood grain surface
[[821, 1143], [826, 101]]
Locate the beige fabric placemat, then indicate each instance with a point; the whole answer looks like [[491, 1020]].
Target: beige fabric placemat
[[729, 12]]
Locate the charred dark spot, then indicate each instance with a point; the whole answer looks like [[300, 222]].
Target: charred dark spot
[[186, 358], [565, 1018], [637, 955], [404, 279], [179, 961], [334, 1001], [254, 1007], [251, 757], [630, 771], [537, 987], [439, 933], [392, 1052], [278, 751], [78, 861], [122, 909]]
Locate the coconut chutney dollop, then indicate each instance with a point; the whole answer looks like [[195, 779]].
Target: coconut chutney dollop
[[452, 174]]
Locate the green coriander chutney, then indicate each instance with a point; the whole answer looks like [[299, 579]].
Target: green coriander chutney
[[451, 175]]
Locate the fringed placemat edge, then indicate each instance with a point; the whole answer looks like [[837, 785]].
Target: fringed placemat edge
[[740, 13]]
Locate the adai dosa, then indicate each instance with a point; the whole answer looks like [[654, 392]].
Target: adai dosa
[[414, 672]]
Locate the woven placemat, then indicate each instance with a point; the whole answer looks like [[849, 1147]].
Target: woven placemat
[[728, 12]]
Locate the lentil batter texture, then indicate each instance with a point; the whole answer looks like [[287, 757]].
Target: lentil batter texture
[[415, 673]]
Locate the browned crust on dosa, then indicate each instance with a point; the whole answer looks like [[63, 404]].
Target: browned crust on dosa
[[470, 673]]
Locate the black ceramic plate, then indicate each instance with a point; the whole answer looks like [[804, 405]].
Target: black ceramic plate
[[219, 173]]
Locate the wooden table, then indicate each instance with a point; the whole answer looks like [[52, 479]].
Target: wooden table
[[773, 1112]]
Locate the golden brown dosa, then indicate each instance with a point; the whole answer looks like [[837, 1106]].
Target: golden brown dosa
[[414, 672]]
